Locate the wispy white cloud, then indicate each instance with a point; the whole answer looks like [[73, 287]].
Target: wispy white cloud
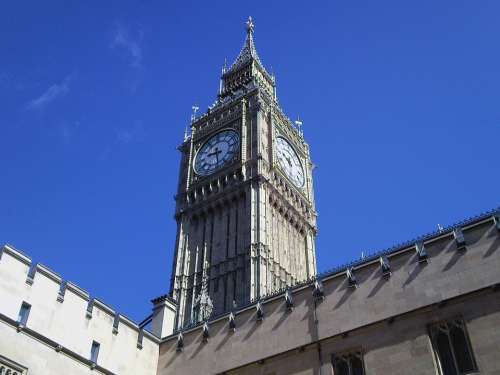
[[57, 90], [132, 46]]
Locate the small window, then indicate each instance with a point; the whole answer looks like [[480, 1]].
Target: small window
[[94, 352], [452, 348], [349, 364], [22, 319]]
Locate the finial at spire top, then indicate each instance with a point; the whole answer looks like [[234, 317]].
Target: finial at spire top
[[250, 25], [248, 52]]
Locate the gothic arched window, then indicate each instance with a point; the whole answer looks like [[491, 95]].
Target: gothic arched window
[[349, 364], [452, 348]]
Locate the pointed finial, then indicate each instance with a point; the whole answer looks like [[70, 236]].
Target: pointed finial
[[195, 109], [250, 25], [298, 122], [186, 134], [221, 81], [275, 93]]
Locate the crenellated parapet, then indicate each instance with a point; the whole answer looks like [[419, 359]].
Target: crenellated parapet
[[67, 320]]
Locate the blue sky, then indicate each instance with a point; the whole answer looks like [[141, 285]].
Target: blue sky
[[400, 104]]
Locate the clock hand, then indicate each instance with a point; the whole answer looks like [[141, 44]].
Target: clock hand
[[215, 152]]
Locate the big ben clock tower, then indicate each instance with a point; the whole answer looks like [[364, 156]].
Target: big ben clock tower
[[245, 212]]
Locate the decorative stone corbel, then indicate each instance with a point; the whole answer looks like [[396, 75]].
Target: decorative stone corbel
[[422, 255], [459, 239], [260, 311], [232, 322], [205, 332], [289, 300], [351, 278], [385, 265], [180, 342], [318, 290]]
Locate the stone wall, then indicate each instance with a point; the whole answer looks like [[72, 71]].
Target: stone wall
[[384, 317], [61, 326]]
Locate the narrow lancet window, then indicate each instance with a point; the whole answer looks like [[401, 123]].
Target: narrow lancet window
[[94, 351], [24, 313]]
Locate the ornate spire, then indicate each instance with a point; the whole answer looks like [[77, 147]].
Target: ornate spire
[[248, 51], [203, 302]]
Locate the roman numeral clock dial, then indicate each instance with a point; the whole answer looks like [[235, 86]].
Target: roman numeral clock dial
[[289, 162], [217, 152]]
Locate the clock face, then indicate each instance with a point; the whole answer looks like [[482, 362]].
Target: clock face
[[216, 152], [289, 162]]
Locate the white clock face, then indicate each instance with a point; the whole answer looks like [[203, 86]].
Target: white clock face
[[289, 161], [217, 152]]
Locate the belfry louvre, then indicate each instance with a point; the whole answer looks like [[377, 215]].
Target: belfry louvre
[[245, 296]]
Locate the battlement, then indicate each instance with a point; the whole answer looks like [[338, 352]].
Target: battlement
[[67, 318]]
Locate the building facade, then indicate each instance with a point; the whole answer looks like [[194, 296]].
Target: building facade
[[245, 297], [430, 306], [49, 326]]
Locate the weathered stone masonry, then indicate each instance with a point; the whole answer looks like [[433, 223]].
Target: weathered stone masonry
[[385, 317]]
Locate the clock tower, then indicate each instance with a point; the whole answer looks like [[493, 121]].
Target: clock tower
[[245, 212]]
